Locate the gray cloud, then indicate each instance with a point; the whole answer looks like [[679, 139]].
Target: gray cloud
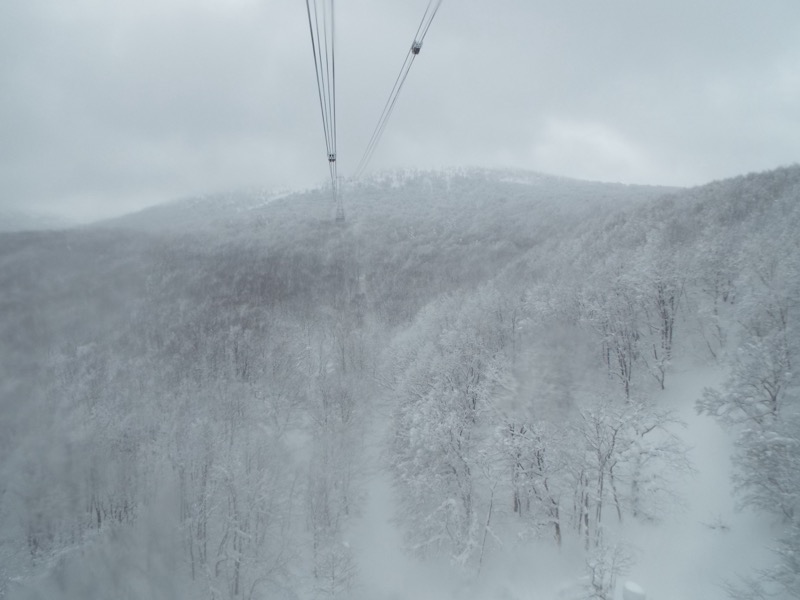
[[109, 106]]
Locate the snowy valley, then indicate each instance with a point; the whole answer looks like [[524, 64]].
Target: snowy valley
[[483, 385]]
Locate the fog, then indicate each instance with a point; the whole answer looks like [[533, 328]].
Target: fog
[[482, 384]]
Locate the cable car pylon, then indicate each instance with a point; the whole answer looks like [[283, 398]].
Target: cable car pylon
[[337, 198]]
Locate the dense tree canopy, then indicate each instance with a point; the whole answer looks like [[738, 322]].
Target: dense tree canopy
[[197, 392]]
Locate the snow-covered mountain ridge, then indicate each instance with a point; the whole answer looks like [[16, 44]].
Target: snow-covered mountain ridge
[[439, 189]]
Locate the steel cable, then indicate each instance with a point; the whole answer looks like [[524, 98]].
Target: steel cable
[[422, 31], [322, 46]]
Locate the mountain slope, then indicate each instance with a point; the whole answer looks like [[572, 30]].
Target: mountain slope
[[211, 386]]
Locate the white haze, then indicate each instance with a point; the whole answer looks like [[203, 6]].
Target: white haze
[[457, 393]]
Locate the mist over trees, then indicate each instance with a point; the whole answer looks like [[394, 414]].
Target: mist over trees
[[197, 400]]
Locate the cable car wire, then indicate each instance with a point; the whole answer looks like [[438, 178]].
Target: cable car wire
[[419, 37], [387, 111], [323, 37], [323, 48]]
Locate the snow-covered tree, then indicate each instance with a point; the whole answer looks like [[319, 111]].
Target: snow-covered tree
[[605, 563], [452, 374], [536, 456], [613, 314]]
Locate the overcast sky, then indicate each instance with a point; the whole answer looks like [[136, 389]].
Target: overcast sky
[[107, 106]]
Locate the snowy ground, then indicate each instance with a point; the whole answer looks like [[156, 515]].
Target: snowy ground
[[694, 551], [687, 556]]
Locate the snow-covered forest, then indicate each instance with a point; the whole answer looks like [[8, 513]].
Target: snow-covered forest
[[484, 384]]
